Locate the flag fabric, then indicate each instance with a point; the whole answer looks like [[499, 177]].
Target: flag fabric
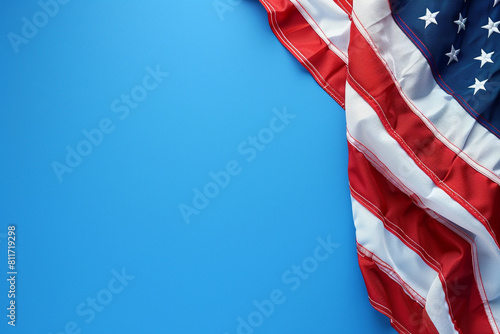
[[419, 81]]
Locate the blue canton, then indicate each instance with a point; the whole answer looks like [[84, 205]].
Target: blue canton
[[461, 41]]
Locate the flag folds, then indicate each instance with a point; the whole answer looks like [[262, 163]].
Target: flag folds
[[419, 81]]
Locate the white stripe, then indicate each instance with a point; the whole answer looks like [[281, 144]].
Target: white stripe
[[448, 121], [437, 308], [329, 21], [364, 125], [442, 114], [296, 52], [488, 259], [372, 235]]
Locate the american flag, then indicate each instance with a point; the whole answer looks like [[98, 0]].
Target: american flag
[[419, 81]]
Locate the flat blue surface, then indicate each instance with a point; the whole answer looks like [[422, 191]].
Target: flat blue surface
[[100, 156]]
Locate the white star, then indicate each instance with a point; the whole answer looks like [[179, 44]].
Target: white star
[[478, 85], [495, 2], [461, 22], [485, 57], [453, 54], [492, 27], [429, 17]]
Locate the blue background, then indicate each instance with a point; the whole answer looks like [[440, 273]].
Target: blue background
[[118, 209]]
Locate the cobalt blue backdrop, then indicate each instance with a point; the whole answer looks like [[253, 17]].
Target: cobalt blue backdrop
[[170, 168]]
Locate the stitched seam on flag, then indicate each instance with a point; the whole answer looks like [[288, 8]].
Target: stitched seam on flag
[[398, 232], [388, 313], [474, 257], [384, 310], [384, 267], [312, 69], [387, 173], [492, 175], [327, 41], [474, 164], [476, 270], [347, 2], [381, 115], [485, 301], [427, 122], [421, 46], [383, 118], [341, 4], [460, 99], [313, 66], [365, 253], [392, 274], [281, 36], [440, 274], [410, 243], [325, 38], [372, 157], [423, 49]]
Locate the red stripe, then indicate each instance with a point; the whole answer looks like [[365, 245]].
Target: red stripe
[[346, 6], [301, 40], [435, 159], [442, 249], [388, 297], [474, 191]]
